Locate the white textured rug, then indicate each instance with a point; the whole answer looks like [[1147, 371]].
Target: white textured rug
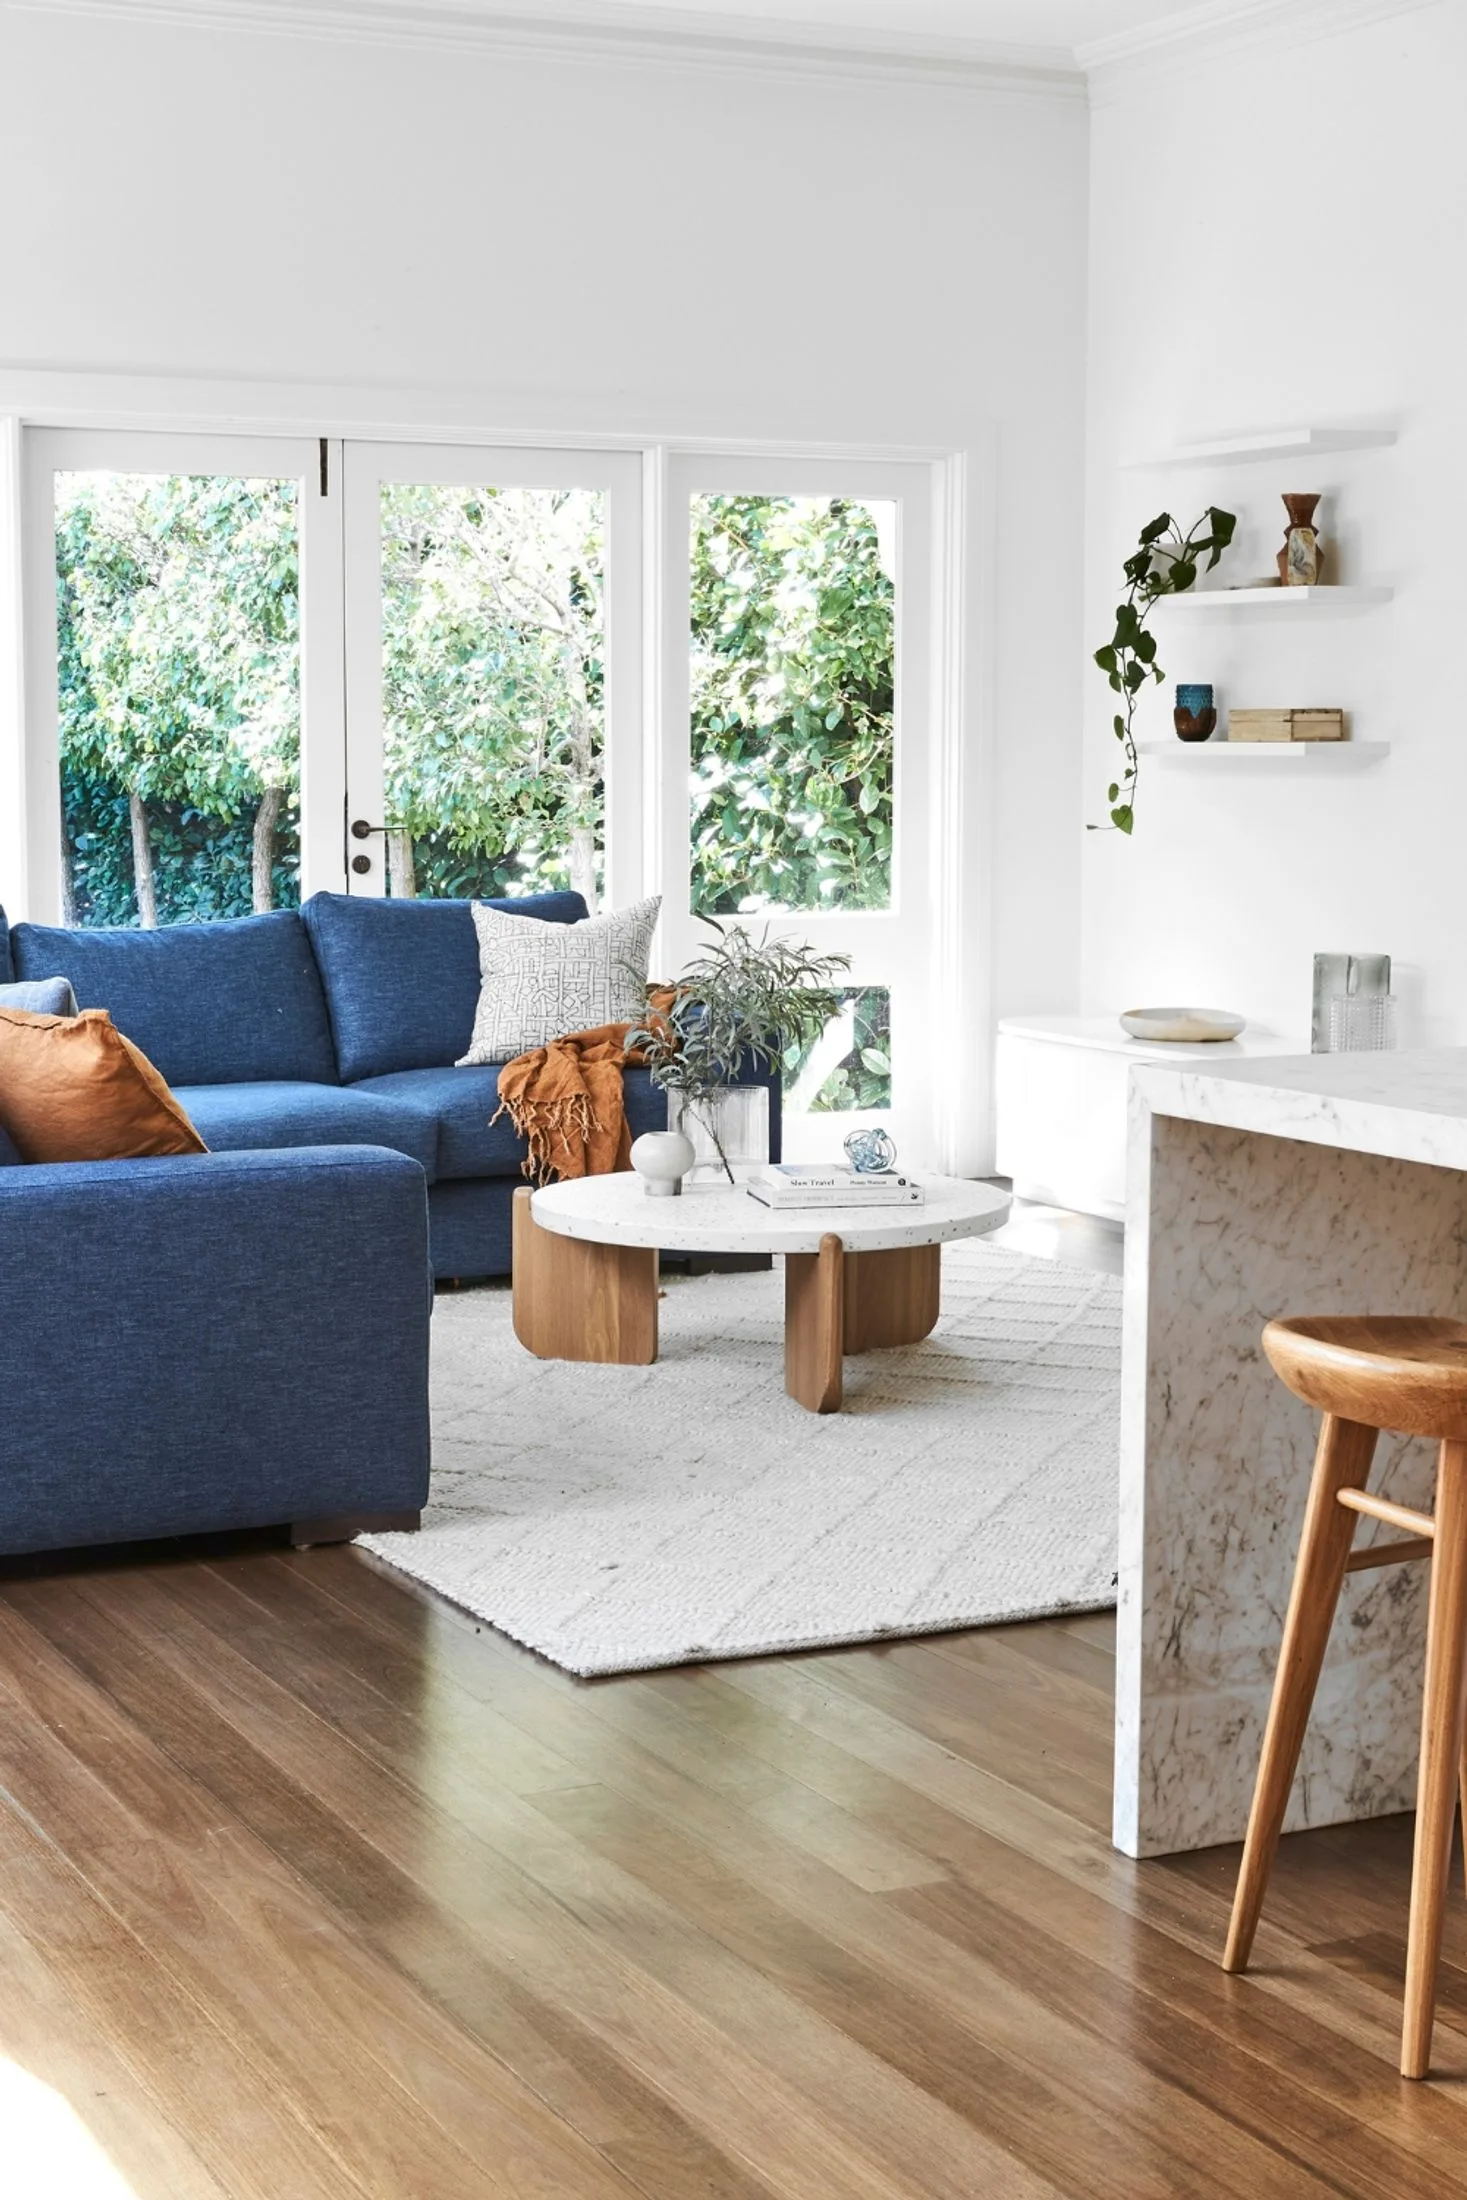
[[616, 1518]]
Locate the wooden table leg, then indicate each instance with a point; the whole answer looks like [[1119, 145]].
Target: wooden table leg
[[577, 1301], [814, 1325], [891, 1297]]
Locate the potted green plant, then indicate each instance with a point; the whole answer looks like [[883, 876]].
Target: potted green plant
[[735, 1007], [1164, 564]]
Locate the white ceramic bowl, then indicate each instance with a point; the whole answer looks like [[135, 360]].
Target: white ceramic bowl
[[1183, 1026]]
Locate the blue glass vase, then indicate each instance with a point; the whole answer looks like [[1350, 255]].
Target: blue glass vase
[[1194, 717]]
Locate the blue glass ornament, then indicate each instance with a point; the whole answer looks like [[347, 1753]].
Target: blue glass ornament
[[868, 1151]]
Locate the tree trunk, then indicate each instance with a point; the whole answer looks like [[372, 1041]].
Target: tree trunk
[[262, 861], [583, 863], [68, 883], [402, 880], [142, 864]]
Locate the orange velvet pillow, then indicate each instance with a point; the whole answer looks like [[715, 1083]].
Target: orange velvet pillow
[[73, 1089]]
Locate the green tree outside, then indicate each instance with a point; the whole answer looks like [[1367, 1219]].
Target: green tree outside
[[178, 671], [793, 687], [179, 660]]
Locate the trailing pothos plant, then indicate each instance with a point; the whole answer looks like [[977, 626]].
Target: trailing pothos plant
[[1166, 564], [735, 1007]]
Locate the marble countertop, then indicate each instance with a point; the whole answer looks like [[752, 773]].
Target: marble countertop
[[1409, 1106]]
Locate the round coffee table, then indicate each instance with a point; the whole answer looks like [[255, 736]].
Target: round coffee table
[[585, 1268]]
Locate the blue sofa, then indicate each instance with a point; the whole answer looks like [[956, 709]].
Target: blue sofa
[[210, 1341], [337, 1025]]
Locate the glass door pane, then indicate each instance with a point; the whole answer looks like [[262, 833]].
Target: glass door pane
[[179, 707], [179, 722], [480, 612], [796, 759], [493, 689], [793, 700]]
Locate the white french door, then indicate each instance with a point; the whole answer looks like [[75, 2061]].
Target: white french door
[[182, 753], [493, 670], [796, 784], [259, 666]]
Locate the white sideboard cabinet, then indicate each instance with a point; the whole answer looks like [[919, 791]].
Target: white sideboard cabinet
[[1061, 1103]]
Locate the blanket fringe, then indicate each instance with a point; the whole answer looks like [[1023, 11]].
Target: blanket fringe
[[546, 1125]]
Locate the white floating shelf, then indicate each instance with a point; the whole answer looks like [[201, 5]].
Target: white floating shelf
[[1321, 755], [1236, 450], [1298, 600]]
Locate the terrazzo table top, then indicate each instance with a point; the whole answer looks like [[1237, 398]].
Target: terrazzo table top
[[723, 1218]]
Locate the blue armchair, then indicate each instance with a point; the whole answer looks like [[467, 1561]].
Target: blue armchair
[[222, 1340]]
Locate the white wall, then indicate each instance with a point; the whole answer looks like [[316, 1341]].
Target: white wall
[[611, 249], [1276, 239]]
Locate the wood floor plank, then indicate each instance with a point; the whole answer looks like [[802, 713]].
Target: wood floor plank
[[1041, 1643], [1019, 1820], [1058, 1757], [1045, 2089], [971, 1795], [807, 1815], [577, 1709], [179, 2054], [385, 2084], [312, 1889], [844, 2121], [52, 2037], [582, 2075]]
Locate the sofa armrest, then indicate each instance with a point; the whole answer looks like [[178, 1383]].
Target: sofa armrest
[[211, 1341]]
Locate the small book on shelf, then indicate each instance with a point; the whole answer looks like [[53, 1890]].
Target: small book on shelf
[[825, 1184]]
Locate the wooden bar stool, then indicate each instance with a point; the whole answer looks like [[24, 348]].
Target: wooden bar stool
[[1391, 1372]]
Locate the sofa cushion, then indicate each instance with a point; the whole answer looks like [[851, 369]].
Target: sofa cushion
[[74, 1089], [240, 1118], [402, 977], [209, 1004], [538, 982], [463, 1101], [44, 996]]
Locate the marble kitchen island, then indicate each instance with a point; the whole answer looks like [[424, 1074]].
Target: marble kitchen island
[[1322, 1184]]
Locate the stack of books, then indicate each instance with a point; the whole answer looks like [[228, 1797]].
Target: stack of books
[[830, 1184]]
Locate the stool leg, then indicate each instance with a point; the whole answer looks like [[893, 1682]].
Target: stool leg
[[1342, 1462], [1441, 1754]]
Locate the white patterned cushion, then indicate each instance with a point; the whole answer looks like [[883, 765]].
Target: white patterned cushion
[[538, 981]]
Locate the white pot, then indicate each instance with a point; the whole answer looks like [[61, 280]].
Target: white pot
[[662, 1159]]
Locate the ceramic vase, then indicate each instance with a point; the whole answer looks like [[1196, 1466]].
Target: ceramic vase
[[1194, 717], [1301, 561], [662, 1159]]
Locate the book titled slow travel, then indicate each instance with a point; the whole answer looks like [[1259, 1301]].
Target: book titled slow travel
[[823, 1184]]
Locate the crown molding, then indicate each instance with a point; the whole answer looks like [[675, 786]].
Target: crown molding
[[1172, 45], [576, 30]]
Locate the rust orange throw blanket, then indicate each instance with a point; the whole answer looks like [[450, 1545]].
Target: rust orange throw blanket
[[566, 1100]]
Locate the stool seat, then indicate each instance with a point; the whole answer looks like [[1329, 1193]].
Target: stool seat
[[1406, 1372]]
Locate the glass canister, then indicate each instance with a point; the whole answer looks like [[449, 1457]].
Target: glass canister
[[1362, 1023]]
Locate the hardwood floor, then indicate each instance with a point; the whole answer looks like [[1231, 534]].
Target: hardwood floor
[[310, 1887]]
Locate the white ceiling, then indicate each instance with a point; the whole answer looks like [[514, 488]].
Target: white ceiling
[[1059, 25]]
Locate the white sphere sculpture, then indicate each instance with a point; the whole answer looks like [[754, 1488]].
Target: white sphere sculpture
[[662, 1159]]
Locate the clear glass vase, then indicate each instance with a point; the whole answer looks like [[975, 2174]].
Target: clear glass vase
[[1362, 1023], [735, 1119]]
